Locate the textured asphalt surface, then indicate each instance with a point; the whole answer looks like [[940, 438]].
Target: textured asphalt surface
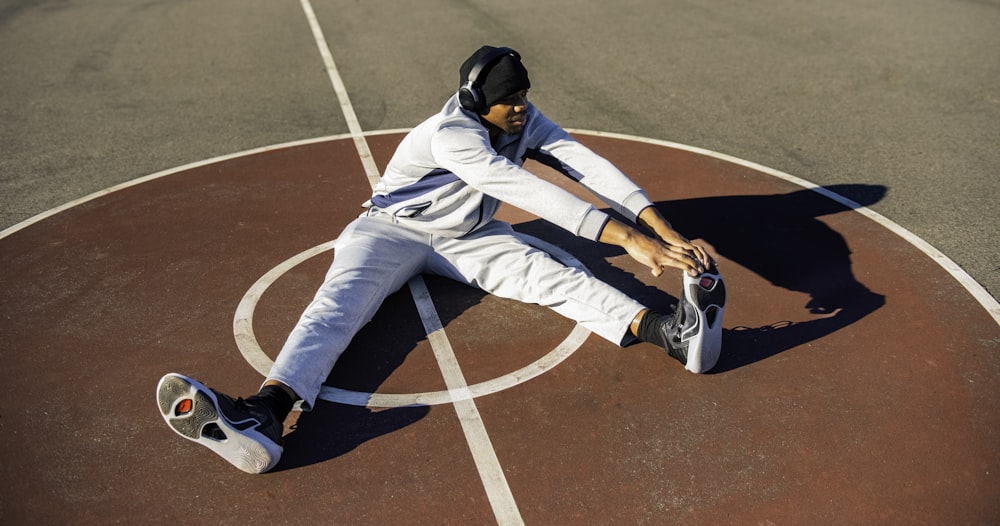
[[894, 102], [901, 94]]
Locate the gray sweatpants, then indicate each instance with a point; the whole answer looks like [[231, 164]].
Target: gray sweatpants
[[375, 257]]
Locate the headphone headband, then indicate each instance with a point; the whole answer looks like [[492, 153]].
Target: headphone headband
[[488, 59], [470, 95]]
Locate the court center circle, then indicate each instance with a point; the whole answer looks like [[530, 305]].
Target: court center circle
[[251, 350]]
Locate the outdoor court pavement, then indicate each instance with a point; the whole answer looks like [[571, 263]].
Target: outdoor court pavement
[[816, 413], [859, 383]]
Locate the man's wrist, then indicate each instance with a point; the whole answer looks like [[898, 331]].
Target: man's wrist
[[650, 218]]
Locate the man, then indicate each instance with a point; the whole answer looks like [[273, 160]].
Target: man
[[432, 212]]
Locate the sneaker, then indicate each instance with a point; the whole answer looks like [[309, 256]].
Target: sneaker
[[694, 334], [245, 434]]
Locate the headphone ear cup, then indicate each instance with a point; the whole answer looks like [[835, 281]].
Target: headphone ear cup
[[471, 97]]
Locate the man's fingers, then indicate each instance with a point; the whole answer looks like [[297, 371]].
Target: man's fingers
[[696, 253], [659, 255], [691, 259], [677, 258], [704, 256]]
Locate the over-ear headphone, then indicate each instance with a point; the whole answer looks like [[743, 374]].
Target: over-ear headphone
[[470, 95]]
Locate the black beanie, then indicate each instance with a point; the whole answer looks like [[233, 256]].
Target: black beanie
[[504, 77]]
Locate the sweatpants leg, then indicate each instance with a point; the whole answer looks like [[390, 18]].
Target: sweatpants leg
[[373, 258], [496, 260]]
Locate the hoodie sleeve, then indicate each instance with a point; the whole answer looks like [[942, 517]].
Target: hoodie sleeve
[[471, 157], [553, 146]]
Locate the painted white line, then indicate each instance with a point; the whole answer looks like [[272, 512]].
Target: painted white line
[[573, 341], [501, 499], [546, 363], [371, 169], [978, 292], [180, 169]]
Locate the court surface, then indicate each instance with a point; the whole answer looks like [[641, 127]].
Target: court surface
[[859, 382]]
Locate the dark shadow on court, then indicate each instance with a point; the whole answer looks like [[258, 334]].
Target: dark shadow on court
[[333, 429], [780, 238]]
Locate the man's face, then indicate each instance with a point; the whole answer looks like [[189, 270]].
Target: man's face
[[509, 113]]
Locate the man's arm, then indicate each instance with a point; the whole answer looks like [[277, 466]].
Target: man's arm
[[557, 149], [551, 145], [653, 220], [653, 253]]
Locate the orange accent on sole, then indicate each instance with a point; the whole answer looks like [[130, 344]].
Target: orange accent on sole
[[184, 407]]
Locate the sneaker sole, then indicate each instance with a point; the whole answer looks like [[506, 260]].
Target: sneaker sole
[[707, 294], [191, 409]]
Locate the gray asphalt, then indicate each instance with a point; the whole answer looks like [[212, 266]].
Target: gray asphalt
[[898, 93]]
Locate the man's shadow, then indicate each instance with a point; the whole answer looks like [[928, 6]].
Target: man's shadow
[[780, 238], [777, 237]]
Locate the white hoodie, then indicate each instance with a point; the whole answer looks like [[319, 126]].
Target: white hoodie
[[447, 179]]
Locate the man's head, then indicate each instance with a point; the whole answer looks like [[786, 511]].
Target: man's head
[[490, 75]]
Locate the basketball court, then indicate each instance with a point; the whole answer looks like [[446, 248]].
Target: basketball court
[[847, 382], [859, 382]]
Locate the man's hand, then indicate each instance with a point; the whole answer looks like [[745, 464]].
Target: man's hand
[[653, 253], [651, 218]]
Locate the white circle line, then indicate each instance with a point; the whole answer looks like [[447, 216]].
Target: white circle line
[[178, 169], [974, 288], [567, 347], [246, 339], [977, 291], [250, 348]]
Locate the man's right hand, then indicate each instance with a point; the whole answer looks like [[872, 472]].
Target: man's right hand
[[654, 254]]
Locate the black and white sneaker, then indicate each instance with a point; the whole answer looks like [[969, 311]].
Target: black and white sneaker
[[245, 434], [694, 334]]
